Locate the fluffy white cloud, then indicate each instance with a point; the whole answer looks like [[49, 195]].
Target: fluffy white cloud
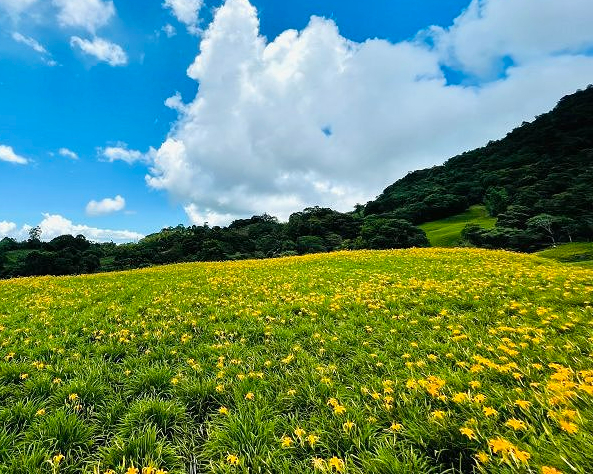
[[8, 154], [313, 118], [520, 30], [65, 152], [105, 206], [175, 102], [121, 152], [54, 225], [186, 11], [87, 14], [15, 7], [102, 49], [7, 229]]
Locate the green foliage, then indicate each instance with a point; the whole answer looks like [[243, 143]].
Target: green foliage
[[384, 232], [146, 448], [61, 432], [496, 201], [543, 167]]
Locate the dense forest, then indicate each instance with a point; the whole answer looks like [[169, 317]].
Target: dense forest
[[537, 182]]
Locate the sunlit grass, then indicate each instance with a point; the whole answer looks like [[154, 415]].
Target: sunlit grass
[[447, 232]]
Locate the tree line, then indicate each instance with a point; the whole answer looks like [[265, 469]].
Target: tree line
[[312, 230]]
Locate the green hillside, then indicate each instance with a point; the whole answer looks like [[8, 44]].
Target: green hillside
[[424, 361], [447, 232], [540, 172], [578, 253]]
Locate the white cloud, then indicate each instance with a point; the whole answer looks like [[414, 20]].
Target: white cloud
[[68, 153], [35, 46], [523, 30], [121, 152], [312, 118], [105, 206], [32, 43], [87, 14], [15, 7], [55, 225], [7, 229], [8, 154], [102, 49], [186, 11], [169, 30], [175, 102]]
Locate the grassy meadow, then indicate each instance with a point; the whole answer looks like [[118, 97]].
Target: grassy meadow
[[411, 361], [447, 232]]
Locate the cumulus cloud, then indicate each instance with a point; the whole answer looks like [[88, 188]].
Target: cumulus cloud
[[7, 229], [519, 31], [106, 206], [54, 225], [66, 153], [8, 154], [87, 14], [121, 152], [312, 118], [103, 50], [186, 12]]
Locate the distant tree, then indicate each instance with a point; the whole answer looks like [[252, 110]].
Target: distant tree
[[545, 223], [310, 244], [35, 234], [386, 233], [496, 201]]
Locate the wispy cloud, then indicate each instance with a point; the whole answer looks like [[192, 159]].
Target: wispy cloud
[[103, 50], [65, 152], [35, 46]]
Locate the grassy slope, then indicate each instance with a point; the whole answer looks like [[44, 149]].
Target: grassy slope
[[577, 252], [394, 361], [447, 232]]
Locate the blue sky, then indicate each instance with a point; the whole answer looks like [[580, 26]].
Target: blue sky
[[266, 120]]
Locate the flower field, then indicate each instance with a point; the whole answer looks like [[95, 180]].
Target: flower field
[[412, 361]]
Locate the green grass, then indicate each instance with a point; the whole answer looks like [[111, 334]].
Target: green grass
[[447, 232], [578, 253], [427, 361]]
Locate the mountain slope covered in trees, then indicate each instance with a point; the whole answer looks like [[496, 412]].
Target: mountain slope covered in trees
[[542, 167]]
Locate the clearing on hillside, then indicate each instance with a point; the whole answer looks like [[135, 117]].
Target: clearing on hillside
[[412, 361], [447, 232]]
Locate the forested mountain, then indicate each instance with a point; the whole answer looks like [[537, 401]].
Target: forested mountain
[[537, 182]]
